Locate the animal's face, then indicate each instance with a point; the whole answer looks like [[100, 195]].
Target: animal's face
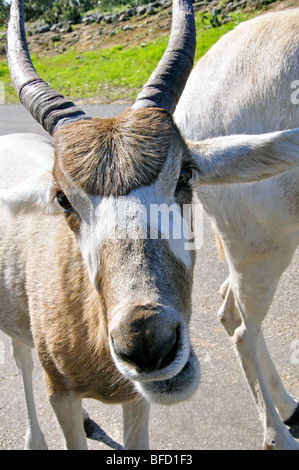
[[125, 185]]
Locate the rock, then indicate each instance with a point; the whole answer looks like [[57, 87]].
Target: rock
[[88, 19], [150, 9], [56, 38], [165, 3], [141, 10], [123, 16], [131, 12], [200, 4], [127, 28], [92, 18], [55, 27], [109, 18], [67, 29], [41, 28], [99, 18], [233, 6], [75, 38], [228, 19]]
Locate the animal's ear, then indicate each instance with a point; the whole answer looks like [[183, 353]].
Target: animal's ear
[[33, 195], [245, 158]]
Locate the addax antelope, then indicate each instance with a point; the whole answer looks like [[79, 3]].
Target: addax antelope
[[105, 305], [249, 83]]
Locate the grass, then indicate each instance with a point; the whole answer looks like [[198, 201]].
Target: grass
[[115, 73], [207, 37]]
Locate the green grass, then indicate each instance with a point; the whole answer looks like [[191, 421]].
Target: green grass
[[115, 73], [207, 37]]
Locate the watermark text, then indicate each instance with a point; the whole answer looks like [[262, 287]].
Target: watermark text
[[295, 353], [130, 219], [2, 353], [2, 93], [295, 94]]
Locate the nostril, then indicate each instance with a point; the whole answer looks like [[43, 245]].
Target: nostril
[[170, 356], [146, 349], [130, 356]]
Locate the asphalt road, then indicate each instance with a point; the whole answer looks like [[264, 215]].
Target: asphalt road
[[221, 415]]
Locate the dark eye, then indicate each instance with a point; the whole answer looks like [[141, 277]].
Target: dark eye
[[64, 202], [184, 180]]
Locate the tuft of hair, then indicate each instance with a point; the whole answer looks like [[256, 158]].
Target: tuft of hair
[[114, 156], [221, 252]]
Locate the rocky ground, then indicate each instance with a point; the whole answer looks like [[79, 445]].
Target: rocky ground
[[132, 27]]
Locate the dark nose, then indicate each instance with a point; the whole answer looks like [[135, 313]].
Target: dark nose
[[148, 343]]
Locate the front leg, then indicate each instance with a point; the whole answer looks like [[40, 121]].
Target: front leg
[[34, 437], [68, 411], [136, 422]]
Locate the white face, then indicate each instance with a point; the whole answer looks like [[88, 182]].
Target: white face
[[161, 210], [134, 217]]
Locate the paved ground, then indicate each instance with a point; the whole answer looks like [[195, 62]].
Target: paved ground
[[221, 415]]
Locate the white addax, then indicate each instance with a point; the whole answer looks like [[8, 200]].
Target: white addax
[[247, 83], [108, 316]]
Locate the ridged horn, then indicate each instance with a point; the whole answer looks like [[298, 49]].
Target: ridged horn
[[46, 105], [166, 83]]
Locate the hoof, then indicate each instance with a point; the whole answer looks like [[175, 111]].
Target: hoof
[[270, 446], [294, 419]]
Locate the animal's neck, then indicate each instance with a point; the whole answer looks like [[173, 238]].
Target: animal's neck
[[74, 330]]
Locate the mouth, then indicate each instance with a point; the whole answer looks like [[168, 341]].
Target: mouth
[[175, 389], [172, 384], [168, 372]]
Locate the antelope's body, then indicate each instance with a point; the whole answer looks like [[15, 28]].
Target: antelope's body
[[253, 89], [100, 291]]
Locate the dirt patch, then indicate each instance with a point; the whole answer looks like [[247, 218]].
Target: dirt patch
[[131, 32], [94, 36]]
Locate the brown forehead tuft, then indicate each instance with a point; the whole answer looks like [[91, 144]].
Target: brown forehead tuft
[[114, 156]]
